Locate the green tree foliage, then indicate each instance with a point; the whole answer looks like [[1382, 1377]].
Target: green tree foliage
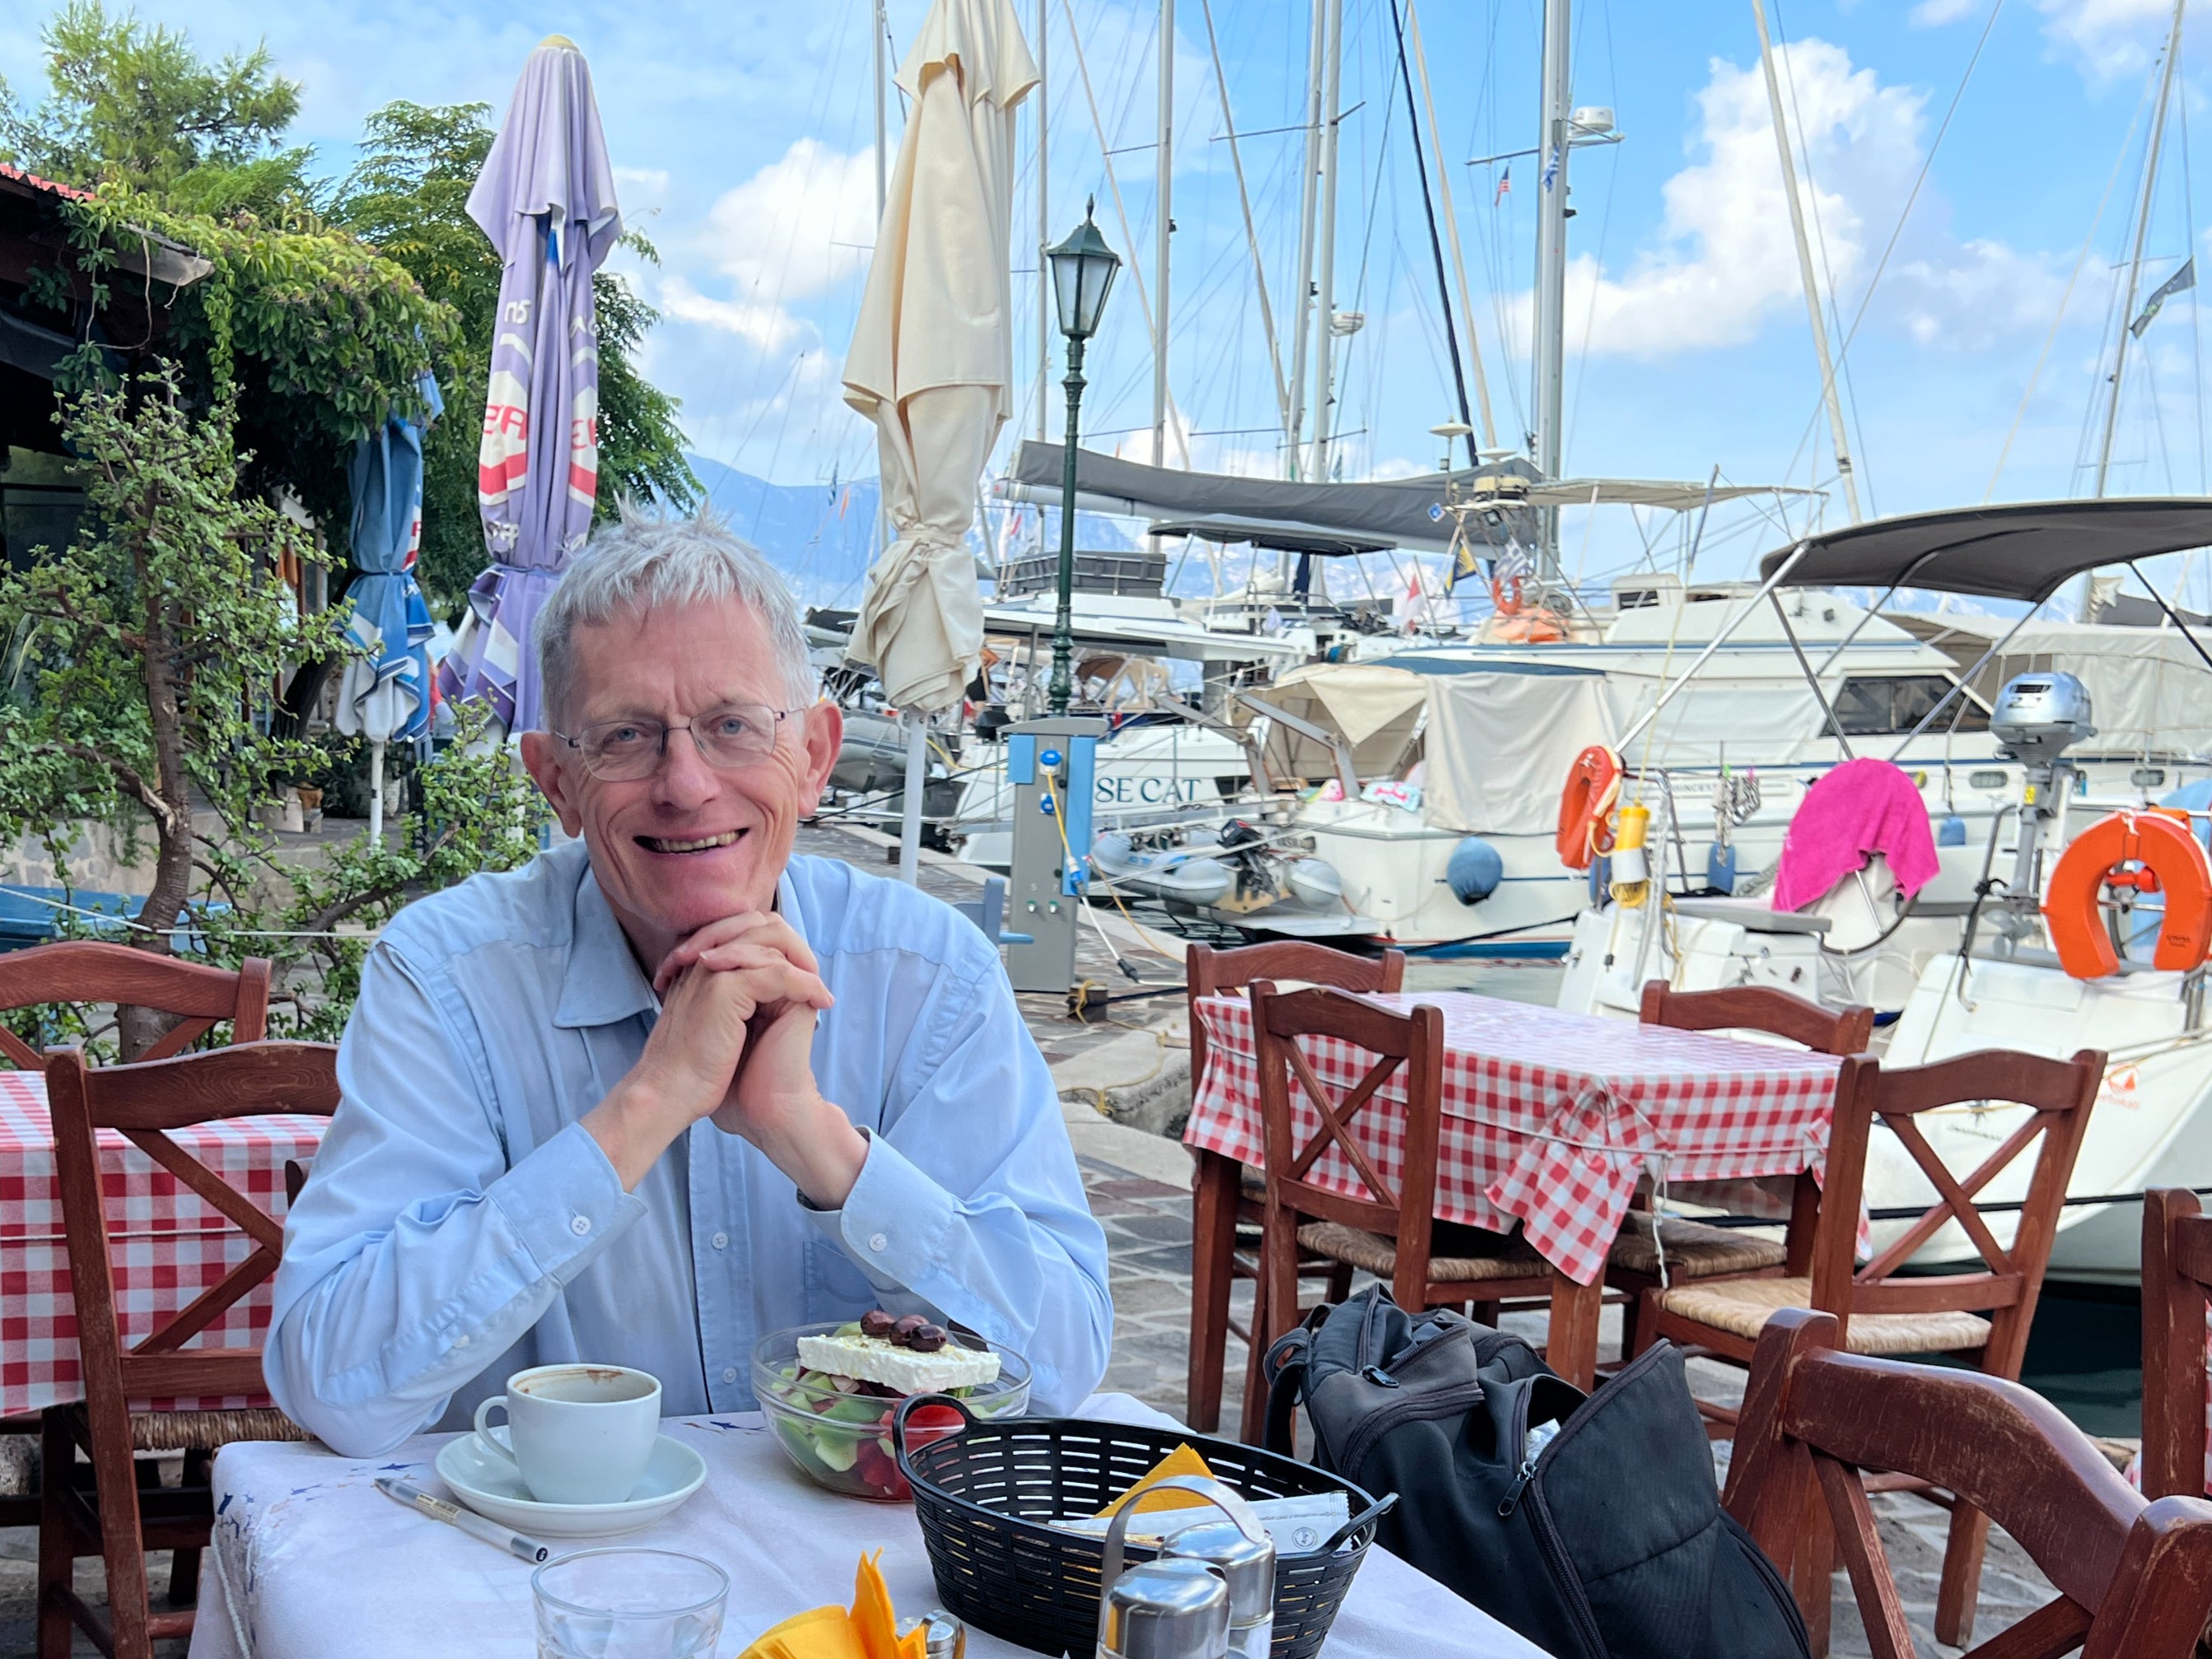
[[136, 105], [152, 641], [408, 197]]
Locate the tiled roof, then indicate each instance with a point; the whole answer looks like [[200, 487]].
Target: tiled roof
[[16, 175]]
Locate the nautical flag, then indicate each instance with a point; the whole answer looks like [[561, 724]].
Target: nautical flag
[[1505, 185], [2180, 281], [1464, 563], [1551, 168]]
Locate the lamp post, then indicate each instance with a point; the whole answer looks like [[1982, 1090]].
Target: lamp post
[[1083, 271]]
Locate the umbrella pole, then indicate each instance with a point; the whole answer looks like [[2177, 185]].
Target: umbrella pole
[[917, 757], [375, 792]]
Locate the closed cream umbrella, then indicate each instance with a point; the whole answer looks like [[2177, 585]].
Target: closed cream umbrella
[[932, 360]]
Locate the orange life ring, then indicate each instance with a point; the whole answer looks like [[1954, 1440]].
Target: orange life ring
[[2149, 852], [1593, 786], [1499, 587]]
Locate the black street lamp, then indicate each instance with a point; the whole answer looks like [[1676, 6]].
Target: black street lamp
[[1083, 271]]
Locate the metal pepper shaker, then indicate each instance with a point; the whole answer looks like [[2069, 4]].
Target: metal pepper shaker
[[1179, 1606], [1247, 1565], [1165, 1610]]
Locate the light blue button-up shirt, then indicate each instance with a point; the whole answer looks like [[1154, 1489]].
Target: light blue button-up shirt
[[462, 1225]]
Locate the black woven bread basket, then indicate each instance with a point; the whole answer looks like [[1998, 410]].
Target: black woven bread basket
[[983, 1494]]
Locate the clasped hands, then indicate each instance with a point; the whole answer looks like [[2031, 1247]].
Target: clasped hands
[[739, 1002]]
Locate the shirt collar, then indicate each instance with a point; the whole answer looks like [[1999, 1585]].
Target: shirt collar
[[603, 984]]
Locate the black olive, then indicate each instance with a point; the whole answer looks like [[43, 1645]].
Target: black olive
[[876, 1322]]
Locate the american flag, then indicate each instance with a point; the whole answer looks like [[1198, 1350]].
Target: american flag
[[1505, 185]]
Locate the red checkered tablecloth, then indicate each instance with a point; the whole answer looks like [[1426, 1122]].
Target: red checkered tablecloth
[[1548, 1117], [168, 1245]]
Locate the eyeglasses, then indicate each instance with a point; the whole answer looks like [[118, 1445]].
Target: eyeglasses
[[734, 736]]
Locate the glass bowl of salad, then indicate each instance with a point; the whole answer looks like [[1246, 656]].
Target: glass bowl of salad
[[838, 1430]]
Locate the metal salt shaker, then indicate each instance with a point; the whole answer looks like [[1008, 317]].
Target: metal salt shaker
[[1165, 1610], [1187, 1604], [1247, 1565]]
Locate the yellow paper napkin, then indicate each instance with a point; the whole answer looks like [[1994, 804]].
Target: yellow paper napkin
[[1181, 1460], [866, 1631]]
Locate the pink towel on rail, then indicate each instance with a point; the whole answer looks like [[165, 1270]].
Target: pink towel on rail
[[1863, 807]]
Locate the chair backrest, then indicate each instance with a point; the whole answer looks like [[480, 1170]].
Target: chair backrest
[[91, 971], [2059, 1094], [1410, 1045], [2176, 1283], [144, 1101], [1209, 973], [1760, 1008], [2134, 1576]]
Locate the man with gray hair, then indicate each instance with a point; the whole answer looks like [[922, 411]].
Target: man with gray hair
[[669, 1088]]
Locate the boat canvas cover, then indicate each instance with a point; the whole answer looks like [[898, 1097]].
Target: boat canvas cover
[[2149, 692], [1500, 742], [1374, 708], [2021, 551]]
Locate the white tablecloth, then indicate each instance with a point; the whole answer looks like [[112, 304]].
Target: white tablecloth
[[310, 1561]]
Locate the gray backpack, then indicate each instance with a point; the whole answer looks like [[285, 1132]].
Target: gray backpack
[[1601, 1536]]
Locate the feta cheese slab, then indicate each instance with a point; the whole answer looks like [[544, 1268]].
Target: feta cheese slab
[[873, 1359]]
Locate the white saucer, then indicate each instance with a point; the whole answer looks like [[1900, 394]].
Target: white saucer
[[493, 1487]]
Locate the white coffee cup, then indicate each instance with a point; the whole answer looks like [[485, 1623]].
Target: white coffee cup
[[577, 1434]]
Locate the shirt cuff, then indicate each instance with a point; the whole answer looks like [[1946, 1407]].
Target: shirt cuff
[[894, 1221], [565, 1203]]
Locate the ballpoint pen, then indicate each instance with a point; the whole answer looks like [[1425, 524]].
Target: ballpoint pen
[[401, 1492]]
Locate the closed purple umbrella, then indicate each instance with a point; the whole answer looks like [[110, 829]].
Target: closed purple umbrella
[[546, 199]]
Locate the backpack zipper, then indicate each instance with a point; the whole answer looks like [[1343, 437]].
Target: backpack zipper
[[1511, 1501], [1414, 1408], [1573, 1595], [1569, 1581]]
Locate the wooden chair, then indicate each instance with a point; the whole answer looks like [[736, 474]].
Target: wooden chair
[[87, 970], [1393, 1233], [2176, 1283], [90, 970], [116, 1519], [1215, 973], [1880, 1310], [1691, 1251], [2134, 1576]]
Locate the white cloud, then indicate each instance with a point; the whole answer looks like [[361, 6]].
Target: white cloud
[[2106, 38], [799, 227], [770, 327], [1933, 13], [1727, 264]]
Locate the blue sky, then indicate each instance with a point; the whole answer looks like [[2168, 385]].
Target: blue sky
[[743, 136]]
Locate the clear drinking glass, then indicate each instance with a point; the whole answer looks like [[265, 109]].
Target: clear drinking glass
[[629, 1604]]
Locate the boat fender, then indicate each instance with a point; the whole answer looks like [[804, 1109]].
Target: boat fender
[[2150, 852], [1952, 831], [1593, 786], [1720, 867], [1631, 869], [1475, 871]]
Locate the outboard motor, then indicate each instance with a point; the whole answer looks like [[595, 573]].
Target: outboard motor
[[2037, 718]]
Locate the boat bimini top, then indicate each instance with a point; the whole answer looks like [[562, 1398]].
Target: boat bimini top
[[2021, 550]]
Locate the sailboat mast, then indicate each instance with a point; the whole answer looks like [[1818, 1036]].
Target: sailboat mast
[[1836, 431], [1325, 299], [1166, 214], [1550, 354], [1294, 430], [883, 172], [1044, 307], [2135, 257]]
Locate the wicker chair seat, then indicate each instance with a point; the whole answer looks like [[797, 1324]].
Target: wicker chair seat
[[1741, 1306], [174, 1432], [1693, 1250], [1458, 1255]]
